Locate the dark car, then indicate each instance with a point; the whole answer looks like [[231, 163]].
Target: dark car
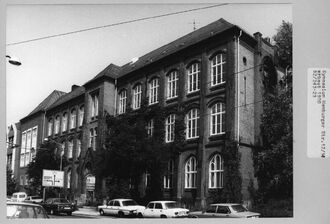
[[58, 205], [21, 210]]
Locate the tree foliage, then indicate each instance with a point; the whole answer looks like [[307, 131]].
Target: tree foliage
[[129, 152], [283, 43], [11, 182], [47, 157]]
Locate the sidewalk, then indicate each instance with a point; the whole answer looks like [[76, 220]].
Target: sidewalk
[[86, 211]]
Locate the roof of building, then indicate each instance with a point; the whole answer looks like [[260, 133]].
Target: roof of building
[[67, 97], [46, 103], [111, 71], [190, 39]]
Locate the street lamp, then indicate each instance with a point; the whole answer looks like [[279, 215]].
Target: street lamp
[[13, 60]]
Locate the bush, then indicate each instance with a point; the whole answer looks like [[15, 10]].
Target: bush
[[275, 208]]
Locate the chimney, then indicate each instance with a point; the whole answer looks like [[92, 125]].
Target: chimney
[[73, 87]]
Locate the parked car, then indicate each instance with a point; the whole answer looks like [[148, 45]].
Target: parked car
[[120, 207], [22, 210], [18, 196], [33, 199], [163, 209], [58, 205], [225, 210]]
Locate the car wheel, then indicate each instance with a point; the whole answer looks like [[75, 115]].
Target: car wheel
[[121, 214], [69, 213], [101, 212], [140, 215], [163, 216]]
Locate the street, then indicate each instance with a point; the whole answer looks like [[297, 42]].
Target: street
[[80, 216]]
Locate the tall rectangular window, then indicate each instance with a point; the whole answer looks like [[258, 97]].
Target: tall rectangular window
[[172, 85], [94, 105], [137, 92], [193, 77], [150, 127], [168, 178], [34, 138], [78, 147], [218, 69], [81, 115], [50, 127], [169, 128], [192, 122], [73, 118], [153, 91], [57, 124], [70, 149], [64, 122], [122, 101], [92, 138], [217, 121]]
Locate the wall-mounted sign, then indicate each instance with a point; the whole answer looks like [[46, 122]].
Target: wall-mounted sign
[[90, 182], [52, 178]]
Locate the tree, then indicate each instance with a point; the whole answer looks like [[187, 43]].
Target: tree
[[47, 157], [274, 159], [11, 182], [283, 44]]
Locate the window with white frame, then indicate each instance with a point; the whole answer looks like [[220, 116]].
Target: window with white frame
[[153, 91], [23, 149], [34, 138], [193, 77], [64, 122], [29, 141], [22, 160], [216, 172], [50, 127], [172, 85], [168, 178], [92, 138], [190, 173], [73, 118], [81, 116], [68, 179], [122, 101], [78, 147], [169, 128], [137, 94], [70, 149], [192, 123], [150, 127], [57, 124], [94, 105], [217, 121], [218, 69]]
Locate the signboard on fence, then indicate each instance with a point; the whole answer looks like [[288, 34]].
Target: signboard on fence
[[52, 178]]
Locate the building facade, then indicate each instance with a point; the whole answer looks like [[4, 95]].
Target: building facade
[[217, 72]]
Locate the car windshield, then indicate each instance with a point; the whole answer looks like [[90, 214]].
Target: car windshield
[[171, 205], [239, 208], [35, 197], [61, 200], [128, 203]]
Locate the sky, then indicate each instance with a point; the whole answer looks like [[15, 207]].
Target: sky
[[59, 62]]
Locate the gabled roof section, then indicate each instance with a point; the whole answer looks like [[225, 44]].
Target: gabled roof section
[[111, 71], [46, 103], [67, 97], [190, 39]]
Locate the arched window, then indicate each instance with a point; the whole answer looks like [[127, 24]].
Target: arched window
[[172, 84], [137, 93], [190, 173], [218, 121], [218, 69], [64, 122], [57, 124], [169, 128], [70, 149], [216, 172], [193, 77], [81, 115], [192, 123], [168, 177], [50, 127], [153, 91], [73, 118], [122, 101]]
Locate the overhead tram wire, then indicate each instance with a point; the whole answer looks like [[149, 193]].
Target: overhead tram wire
[[117, 24]]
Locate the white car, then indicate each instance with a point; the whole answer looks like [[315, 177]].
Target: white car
[[120, 207], [18, 197], [163, 209], [33, 199], [225, 210]]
